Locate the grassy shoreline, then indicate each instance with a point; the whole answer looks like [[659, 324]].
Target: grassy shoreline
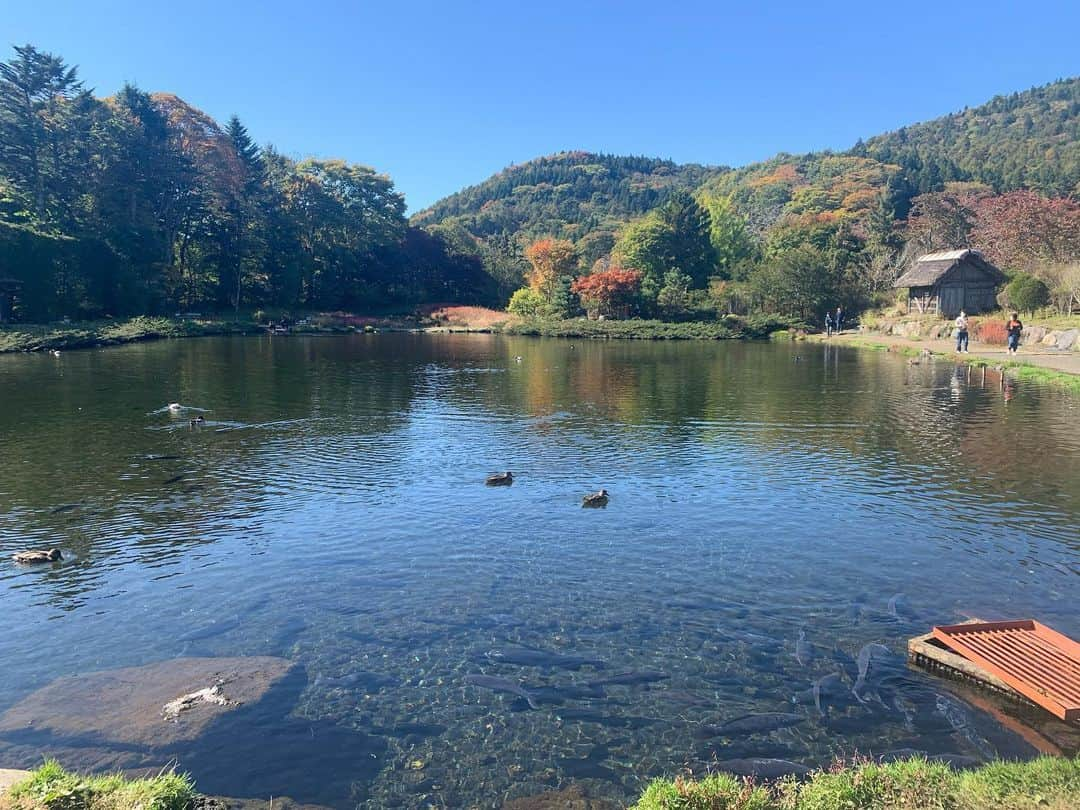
[[94, 334], [727, 328], [1017, 369], [915, 784]]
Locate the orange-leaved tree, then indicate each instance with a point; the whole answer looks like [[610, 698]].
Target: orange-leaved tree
[[609, 292], [550, 259]]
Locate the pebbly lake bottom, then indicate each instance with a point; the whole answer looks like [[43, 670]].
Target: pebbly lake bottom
[[782, 519]]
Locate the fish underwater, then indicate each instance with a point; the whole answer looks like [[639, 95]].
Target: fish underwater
[[867, 656], [496, 684], [543, 659], [804, 650], [632, 678], [751, 724]]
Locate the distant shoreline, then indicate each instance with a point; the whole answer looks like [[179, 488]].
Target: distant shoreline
[[96, 334]]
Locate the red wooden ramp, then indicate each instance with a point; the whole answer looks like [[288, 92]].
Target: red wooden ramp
[[1039, 663]]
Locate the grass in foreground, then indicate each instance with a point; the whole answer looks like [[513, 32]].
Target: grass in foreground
[[50, 787], [914, 784]]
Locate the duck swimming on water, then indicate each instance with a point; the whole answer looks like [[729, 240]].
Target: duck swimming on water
[[196, 420], [596, 499], [31, 557], [503, 479]]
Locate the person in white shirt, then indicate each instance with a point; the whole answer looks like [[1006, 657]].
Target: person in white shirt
[[962, 332]]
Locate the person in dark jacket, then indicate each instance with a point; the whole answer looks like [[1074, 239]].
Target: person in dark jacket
[[838, 321], [828, 323], [1013, 330]]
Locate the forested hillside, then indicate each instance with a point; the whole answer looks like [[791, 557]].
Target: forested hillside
[[140, 203], [802, 228], [1024, 140]]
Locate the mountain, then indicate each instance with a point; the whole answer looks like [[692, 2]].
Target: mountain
[[1024, 140], [580, 196], [1028, 140]]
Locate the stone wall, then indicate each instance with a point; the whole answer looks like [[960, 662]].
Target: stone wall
[[1044, 337]]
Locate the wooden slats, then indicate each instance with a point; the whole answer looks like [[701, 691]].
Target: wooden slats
[[1036, 661]]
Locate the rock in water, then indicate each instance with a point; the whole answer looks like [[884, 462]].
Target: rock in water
[[125, 707], [234, 731]]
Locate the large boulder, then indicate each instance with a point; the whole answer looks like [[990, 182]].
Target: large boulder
[[1068, 339], [226, 721], [9, 776], [127, 707]]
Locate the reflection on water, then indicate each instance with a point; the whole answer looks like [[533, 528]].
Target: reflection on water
[[782, 519]]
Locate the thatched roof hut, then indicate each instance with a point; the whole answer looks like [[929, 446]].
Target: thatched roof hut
[[950, 281]]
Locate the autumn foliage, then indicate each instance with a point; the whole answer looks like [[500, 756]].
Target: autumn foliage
[[549, 259], [607, 291]]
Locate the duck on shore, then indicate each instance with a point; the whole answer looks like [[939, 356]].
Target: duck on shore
[[38, 556], [503, 479], [596, 499]]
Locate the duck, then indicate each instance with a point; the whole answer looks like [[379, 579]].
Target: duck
[[518, 359], [175, 406], [56, 353], [913, 361], [38, 556], [197, 420], [503, 479], [596, 499]]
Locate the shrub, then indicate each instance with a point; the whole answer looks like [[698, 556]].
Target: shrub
[[990, 331], [1025, 293], [526, 302]]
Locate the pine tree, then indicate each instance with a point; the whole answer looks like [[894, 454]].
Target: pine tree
[[246, 149]]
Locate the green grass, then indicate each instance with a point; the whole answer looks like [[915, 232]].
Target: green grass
[[1047, 376], [913, 784], [87, 334], [730, 327], [50, 787]]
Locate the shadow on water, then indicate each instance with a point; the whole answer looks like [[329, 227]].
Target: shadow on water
[[255, 751]]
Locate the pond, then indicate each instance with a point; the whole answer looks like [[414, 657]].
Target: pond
[[774, 509]]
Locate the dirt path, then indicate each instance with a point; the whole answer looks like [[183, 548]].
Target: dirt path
[[1068, 362]]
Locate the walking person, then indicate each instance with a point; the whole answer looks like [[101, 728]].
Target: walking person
[[962, 333], [828, 323], [1013, 329], [838, 321]]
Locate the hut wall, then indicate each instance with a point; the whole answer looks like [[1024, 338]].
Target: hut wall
[[922, 300], [966, 288]]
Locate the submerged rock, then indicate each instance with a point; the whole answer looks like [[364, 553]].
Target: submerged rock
[[573, 797], [226, 721], [126, 706]]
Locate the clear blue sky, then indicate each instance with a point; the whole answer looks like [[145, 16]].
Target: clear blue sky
[[442, 94]]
